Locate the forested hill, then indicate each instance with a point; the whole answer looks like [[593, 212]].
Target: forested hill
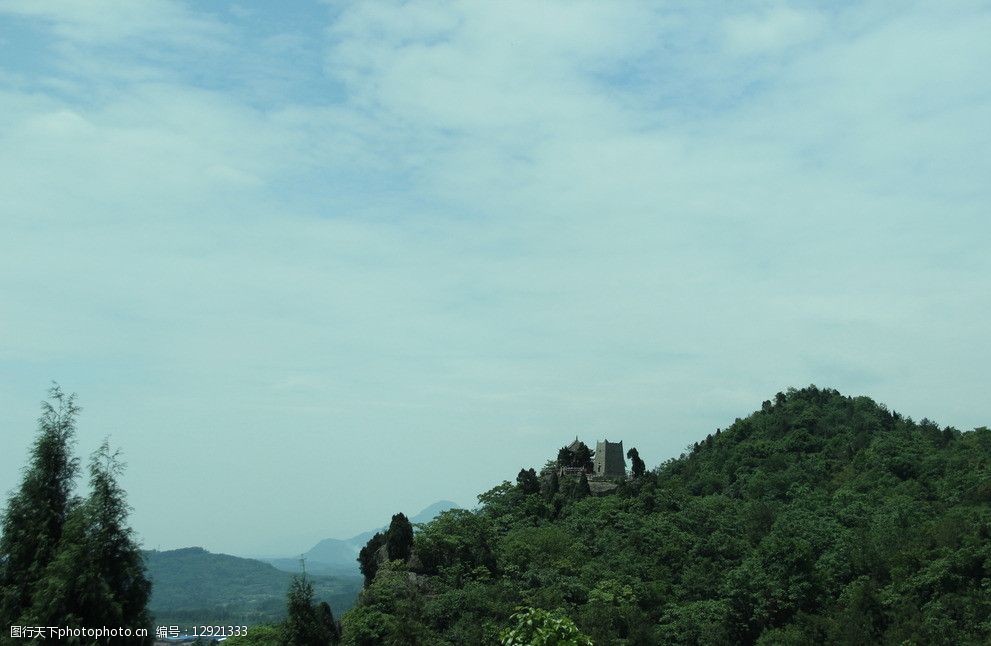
[[820, 518], [194, 587]]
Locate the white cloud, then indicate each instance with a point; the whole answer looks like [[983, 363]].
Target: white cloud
[[773, 30], [483, 67], [109, 23], [480, 220]]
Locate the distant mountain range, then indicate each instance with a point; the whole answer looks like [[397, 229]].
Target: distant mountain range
[[333, 556], [191, 586]]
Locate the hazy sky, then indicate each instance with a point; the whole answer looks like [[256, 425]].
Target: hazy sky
[[308, 265]]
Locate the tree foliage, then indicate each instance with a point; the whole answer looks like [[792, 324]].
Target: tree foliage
[[399, 540], [368, 559], [551, 484], [258, 635], [536, 627], [820, 518], [66, 561], [391, 611], [580, 457], [97, 577], [36, 514], [307, 624], [328, 625], [582, 489], [396, 543], [637, 466], [527, 481]]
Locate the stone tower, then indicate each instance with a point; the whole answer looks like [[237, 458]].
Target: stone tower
[[610, 461]]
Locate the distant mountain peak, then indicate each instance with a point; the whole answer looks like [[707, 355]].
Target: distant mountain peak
[[335, 556], [430, 512]]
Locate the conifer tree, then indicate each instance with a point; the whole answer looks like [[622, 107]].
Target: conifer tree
[[36, 514], [581, 490], [583, 457], [304, 625], [527, 481], [367, 557], [325, 616], [637, 464], [399, 543], [97, 577]]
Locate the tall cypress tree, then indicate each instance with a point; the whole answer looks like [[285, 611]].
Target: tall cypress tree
[[119, 557], [36, 514], [399, 541], [97, 577]]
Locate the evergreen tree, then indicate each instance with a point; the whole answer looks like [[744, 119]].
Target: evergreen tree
[[637, 465], [97, 577], [304, 626], [581, 490], [553, 485], [325, 616], [36, 515], [367, 557], [580, 457], [583, 457], [527, 481], [399, 543]]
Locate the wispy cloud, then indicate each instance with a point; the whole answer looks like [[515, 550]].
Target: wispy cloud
[[359, 237]]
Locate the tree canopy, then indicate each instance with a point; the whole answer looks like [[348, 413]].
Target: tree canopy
[[536, 627], [306, 623], [36, 514], [97, 577], [580, 457], [66, 561], [821, 518], [637, 466], [527, 481], [399, 539]]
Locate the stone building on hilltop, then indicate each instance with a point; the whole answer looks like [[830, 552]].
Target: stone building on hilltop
[[605, 465], [609, 461]]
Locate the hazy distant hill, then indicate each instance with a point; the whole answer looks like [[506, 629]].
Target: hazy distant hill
[[193, 586], [333, 556], [431, 512]]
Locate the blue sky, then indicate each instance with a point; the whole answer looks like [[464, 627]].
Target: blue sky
[[309, 265]]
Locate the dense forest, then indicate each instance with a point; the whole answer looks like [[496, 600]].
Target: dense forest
[[820, 518]]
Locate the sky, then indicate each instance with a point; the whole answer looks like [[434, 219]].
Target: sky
[[308, 265]]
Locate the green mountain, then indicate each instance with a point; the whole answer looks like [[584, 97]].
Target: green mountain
[[820, 518], [191, 586]]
